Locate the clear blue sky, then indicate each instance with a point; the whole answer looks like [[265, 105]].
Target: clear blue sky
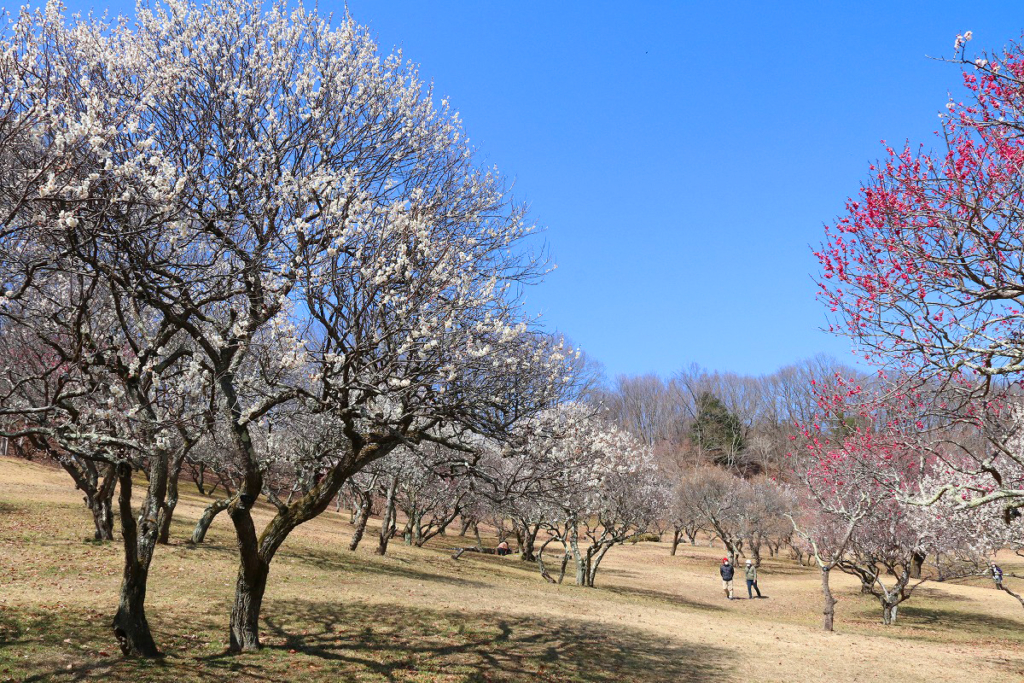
[[684, 156]]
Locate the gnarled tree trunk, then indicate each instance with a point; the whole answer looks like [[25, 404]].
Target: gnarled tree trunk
[[889, 612], [829, 611], [251, 582], [916, 564], [388, 522], [365, 508], [131, 629], [257, 553], [527, 541], [167, 509], [595, 561], [581, 559], [101, 504], [97, 481], [211, 511], [436, 527], [677, 536]]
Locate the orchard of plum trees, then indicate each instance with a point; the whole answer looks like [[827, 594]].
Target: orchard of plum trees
[[239, 245]]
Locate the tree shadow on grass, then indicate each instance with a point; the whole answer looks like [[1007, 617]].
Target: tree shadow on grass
[[347, 563], [389, 643], [62, 645], [962, 621], [319, 641], [1014, 667], [13, 625], [511, 564], [662, 597], [624, 573], [9, 508], [936, 593], [398, 567]]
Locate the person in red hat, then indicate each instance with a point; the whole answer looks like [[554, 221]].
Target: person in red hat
[[727, 571]]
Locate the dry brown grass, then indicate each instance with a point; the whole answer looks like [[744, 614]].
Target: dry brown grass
[[417, 615]]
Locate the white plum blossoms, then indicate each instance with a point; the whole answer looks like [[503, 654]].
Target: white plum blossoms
[[298, 226]]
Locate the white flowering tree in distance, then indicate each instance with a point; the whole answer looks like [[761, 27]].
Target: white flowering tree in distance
[[606, 490]]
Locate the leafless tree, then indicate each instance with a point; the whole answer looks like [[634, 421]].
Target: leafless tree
[[763, 511], [644, 406]]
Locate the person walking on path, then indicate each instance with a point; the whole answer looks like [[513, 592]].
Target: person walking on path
[[752, 580], [997, 575], [727, 571]]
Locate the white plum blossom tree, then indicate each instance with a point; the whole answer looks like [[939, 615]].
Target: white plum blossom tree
[[608, 490], [301, 225]]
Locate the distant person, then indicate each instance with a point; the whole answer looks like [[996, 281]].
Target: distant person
[[503, 548], [727, 571], [752, 580], [997, 575]]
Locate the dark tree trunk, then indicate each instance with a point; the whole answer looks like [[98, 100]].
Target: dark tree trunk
[[167, 509], [677, 536], [528, 542], [916, 564], [565, 563], [412, 528], [755, 553], [250, 584], [211, 511], [131, 629], [102, 505], [256, 554], [365, 507], [830, 602], [446, 522], [465, 526], [389, 518], [199, 477], [593, 562], [103, 520], [889, 613], [581, 560], [251, 581], [99, 493], [540, 561]]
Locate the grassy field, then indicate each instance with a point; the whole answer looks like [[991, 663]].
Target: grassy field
[[418, 615]]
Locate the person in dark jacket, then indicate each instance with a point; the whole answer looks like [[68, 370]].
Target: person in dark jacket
[[727, 571], [752, 580], [997, 575]]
